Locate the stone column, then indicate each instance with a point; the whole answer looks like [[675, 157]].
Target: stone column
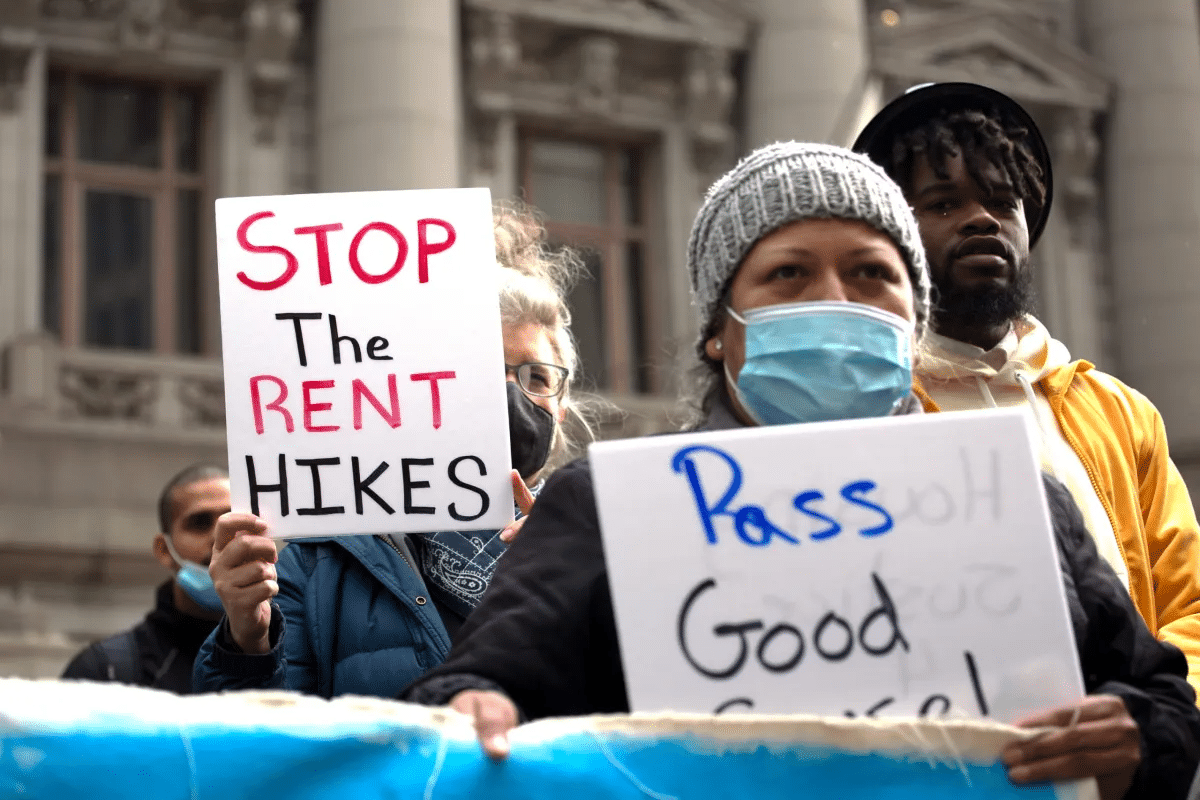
[[807, 72], [388, 95], [1152, 193], [22, 107]]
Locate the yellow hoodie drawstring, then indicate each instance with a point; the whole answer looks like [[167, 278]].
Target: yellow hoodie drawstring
[[985, 392]]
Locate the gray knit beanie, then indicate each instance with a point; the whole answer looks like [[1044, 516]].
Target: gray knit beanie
[[786, 182]]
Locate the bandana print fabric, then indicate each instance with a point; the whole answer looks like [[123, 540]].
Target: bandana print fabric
[[458, 566]]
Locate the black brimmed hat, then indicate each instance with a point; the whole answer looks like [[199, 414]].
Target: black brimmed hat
[[921, 103]]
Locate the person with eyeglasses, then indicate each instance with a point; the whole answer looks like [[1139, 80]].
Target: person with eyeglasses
[[370, 614]]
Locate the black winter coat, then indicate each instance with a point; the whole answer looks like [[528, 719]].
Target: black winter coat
[[545, 634], [157, 652]]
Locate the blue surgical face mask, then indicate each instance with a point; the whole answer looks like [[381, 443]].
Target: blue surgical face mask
[[195, 581], [810, 362]]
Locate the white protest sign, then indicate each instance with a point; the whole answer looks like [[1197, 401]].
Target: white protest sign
[[364, 367], [884, 567]]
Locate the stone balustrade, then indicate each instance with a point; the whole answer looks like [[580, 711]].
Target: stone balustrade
[[122, 391], [183, 397]]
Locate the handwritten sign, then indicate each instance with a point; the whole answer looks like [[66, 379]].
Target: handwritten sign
[[864, 568], [364, 367]]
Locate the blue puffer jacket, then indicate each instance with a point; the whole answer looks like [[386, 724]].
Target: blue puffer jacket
[[351, 617]]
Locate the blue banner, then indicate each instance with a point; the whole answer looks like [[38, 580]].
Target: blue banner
[[73, 740]]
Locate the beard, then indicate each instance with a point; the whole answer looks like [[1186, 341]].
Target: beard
[[984, 306]]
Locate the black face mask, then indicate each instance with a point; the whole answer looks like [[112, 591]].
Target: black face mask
[[530, 431]]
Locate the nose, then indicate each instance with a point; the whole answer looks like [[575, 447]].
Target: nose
[[979, 220], [826, 286]]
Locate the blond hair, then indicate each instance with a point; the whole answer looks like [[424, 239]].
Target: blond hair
[[534, 281]]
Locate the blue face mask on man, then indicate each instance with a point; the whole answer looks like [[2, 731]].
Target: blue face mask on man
[[195, 581], [811, 362]]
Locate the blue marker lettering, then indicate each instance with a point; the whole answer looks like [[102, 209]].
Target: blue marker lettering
[[801, 503], [682, 462], [852, 493]]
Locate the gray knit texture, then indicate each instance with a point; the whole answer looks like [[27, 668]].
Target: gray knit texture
[[789, 181]]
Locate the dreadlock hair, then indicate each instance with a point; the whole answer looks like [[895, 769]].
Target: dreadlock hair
[[984, 137]]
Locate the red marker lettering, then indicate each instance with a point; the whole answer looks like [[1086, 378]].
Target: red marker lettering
[[322, 234], [425, 249], [435, 394], [292, 263], [311, 408], [401, 252], [274, 405], [359, 390]]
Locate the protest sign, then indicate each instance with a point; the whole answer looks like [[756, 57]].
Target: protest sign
[[364, 367], [106, 741], [900, 566]]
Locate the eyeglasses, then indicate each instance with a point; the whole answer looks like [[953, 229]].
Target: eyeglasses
[[540, 380]]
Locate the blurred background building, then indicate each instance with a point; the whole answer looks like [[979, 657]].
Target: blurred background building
[[122, 120]]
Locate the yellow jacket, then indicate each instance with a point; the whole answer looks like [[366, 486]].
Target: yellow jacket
[[1119, 436]]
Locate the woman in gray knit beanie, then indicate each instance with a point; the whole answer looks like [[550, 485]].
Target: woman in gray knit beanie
[[809, 273]]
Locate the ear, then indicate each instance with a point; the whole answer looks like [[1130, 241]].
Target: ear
[[162, 555], [714, 348], [562, 413]]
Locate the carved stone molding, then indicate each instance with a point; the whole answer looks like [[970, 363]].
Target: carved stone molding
[[108, 394], [16, 49], [493, 48], [709, 90], [985, 43], [1076, 149], [142, 24], [584, 65], [272, 30], [18, 37], [203, 401]]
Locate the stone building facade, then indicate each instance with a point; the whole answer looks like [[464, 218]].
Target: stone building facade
[[122, 120]]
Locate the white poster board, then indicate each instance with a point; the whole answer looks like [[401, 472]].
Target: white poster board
[[883, 567], [364, 367]]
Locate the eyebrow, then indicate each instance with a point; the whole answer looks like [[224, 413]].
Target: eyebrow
[[940, 186], [947, 186]]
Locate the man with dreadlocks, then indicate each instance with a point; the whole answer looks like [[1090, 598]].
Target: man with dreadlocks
[[976, 170]]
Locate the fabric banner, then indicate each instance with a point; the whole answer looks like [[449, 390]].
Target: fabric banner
[[100, 741]]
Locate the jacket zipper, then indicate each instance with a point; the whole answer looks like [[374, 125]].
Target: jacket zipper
[[400, 551]]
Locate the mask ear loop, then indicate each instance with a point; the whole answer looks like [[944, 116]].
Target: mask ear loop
[[174, 553], [730, 382]]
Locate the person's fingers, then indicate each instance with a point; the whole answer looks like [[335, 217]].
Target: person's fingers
[[513, 528], [493, 714], [1095, 706], [1077, 764], [521, 493], [230, 524], [244, 548], [493, 721], [243, 605], [1094, 738], [1109, 736], [246, 575]]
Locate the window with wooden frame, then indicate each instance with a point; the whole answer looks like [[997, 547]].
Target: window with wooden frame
[[593, 197], [126, 199]]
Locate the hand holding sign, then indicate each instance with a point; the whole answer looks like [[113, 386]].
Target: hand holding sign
[[821, 569], [364, 383], [243, 573], [1095, 737], [524, 502]]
